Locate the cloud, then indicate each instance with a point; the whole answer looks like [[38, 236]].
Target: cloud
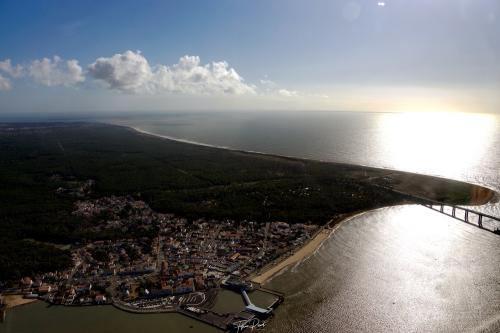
[[131, 72], [128, 72], [268, 85], [4, 83], [270, 88], [189, 76], [287, 93], [56, 72], [14, 71]]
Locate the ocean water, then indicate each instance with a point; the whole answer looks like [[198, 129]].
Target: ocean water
[[397, 269], [459, 146]]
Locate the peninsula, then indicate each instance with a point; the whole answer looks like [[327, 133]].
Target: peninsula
[[103, 214]]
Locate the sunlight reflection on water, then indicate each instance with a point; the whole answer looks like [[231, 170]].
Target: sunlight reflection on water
[[435, 143], [397, 269]]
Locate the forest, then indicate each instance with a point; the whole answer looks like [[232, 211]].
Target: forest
[[191, 181]]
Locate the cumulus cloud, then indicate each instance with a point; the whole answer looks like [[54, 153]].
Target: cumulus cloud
[[131, 72], [267, 85], [190, 76], [4, 83], [56, 72], [270, 88], [14, 71], [287, 93]]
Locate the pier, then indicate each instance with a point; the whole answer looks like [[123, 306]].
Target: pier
[[250, 307], [218, 320]]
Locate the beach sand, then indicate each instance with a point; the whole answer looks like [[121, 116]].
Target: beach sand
[[406, 183], [302, 253], [16, 300]]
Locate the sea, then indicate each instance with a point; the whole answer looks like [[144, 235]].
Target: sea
[[397, 269]]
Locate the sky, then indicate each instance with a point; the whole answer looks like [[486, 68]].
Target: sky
[[359, 55]]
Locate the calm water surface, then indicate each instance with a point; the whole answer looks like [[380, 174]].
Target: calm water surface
[[398, 269], [39, 318], [402, 269], [461, 146]]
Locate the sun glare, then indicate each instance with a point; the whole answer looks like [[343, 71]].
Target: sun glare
[[443, 143]]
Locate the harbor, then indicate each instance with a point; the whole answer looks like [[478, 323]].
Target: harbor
[[252, 316], [212, 312]]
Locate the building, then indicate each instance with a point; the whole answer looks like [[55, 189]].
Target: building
[[44, 289], [100, 299]]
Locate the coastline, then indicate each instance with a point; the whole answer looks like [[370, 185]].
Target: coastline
[[422, 185], [12, 301], [415, 184], [302, 253], [141, 131]]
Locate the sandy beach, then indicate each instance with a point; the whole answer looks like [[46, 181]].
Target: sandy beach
[[301, 253], [16, 300], [405, 183]]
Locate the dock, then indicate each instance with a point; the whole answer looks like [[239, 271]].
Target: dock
[[250, 307], [220, 321]]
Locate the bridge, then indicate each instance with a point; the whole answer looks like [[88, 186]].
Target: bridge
[[463, 214]]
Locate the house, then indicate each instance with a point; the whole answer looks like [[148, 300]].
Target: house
[[100, 299], [26, 282], [44, 289]]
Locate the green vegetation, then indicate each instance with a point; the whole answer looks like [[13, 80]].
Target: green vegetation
[[172, 177], [24, 258]]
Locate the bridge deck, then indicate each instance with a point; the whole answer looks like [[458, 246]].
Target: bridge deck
[[468, 213]]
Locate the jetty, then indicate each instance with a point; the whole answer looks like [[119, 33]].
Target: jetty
[[250, 307]]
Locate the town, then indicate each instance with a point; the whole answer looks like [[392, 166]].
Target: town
[[179, 267]]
